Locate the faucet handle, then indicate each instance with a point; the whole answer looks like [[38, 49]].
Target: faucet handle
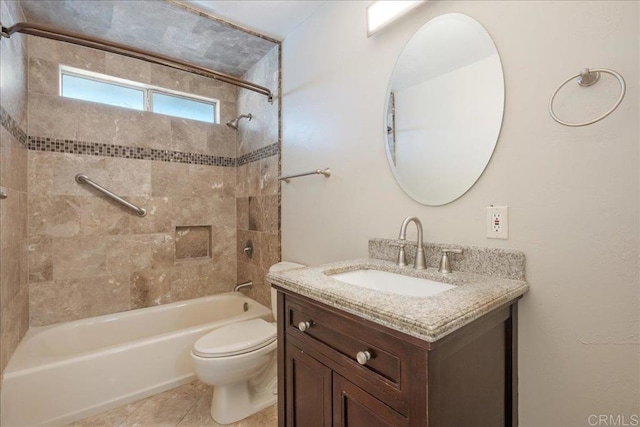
[[445, 265], [402, 257]]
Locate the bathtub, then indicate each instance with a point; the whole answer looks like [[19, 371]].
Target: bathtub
[[68, 371]]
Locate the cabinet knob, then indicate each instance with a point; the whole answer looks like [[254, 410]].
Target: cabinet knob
[[363, 357], [303, 326]]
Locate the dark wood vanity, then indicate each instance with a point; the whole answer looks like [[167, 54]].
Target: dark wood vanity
[[468, 378]]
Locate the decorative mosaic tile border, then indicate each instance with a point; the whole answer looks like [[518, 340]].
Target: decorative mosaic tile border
[[260, 153], [9, 123], [54, 145]]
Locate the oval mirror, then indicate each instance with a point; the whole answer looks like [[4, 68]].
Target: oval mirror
[[444, 109]]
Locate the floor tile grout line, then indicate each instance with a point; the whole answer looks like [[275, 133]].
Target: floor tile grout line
[[193, 407]]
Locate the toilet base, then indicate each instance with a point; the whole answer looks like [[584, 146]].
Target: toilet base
[[231, 403]]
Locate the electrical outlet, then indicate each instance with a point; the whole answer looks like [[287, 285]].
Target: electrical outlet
[[498, 222]]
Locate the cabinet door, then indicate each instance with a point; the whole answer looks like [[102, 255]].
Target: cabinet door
[[354, 407], [308, 390]]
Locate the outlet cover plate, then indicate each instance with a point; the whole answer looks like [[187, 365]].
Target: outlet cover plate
[[498, 222]]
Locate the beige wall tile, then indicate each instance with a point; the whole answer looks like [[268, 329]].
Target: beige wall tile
[[159, 219], [184, 180], [242, 213], [13, 162], [40, 259], [171, 78], [14, 322], [269, 250], [14, 77], [131, 252], [256, 214], [81, 57], [142, 129], [13, 271], [151, 287], [125, 177], [53, 216], [79, 257], [204, 211], [221, 140], [223, 244], [43, 48], [271, 206], [61, 301], [189, 136], [44, 76], [46, 118], [14, 309], [127, 68], [40, 172], [13, 210], [269, 172]]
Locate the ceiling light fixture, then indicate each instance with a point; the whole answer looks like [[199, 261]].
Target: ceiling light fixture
[[382, 13]]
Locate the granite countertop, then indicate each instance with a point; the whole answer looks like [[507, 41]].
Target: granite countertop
[[428, 318]]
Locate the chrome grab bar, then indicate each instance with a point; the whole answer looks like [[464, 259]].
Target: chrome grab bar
[[326, 172], [83, 179]]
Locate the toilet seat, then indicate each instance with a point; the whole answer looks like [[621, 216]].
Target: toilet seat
[[236, 338]]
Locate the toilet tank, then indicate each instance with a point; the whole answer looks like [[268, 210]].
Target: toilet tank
[[281, 266]]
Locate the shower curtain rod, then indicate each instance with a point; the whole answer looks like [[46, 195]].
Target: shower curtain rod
[[132, 52]]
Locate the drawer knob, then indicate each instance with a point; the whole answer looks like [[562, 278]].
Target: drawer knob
[[363, 357], [303, 326]]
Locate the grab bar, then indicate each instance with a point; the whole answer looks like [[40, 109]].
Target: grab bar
[[326, 172], [83, 179]]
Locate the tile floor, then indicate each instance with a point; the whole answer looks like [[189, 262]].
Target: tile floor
[[185, 406]]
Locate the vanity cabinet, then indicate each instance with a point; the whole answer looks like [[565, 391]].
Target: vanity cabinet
[[337, 369]]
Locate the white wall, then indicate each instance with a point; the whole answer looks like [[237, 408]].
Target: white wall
[[573, 192]]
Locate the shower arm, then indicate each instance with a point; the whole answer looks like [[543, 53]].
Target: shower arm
[[53, 33]]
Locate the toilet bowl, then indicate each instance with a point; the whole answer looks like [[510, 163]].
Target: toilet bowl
[[239, 360]]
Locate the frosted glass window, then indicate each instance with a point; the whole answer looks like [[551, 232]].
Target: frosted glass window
[[102, 92], [178, 106]]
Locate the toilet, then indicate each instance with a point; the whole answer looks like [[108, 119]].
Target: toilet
[[240, 361]]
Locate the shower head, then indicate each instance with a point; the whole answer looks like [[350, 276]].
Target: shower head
[[233, 124]]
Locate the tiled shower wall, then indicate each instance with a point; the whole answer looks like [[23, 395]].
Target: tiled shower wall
[[258, 190], [14, 309], [88, 256]]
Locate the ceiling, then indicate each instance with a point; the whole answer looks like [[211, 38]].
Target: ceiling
[[158, 26], [276, 19]]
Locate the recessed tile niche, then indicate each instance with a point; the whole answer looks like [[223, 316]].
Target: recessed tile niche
[[193, 242]]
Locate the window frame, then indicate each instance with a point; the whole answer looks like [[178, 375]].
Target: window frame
[[147, 90]]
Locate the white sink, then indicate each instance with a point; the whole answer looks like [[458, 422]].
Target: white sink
[[392, 282]]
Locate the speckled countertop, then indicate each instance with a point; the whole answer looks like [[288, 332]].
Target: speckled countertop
[[427, 318]]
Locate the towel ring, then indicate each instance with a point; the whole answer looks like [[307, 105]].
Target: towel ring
[[587, 78]]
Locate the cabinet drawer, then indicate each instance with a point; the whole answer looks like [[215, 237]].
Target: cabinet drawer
[[339, 338]]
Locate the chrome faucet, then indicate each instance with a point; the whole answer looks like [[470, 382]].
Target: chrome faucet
[[421, 262]]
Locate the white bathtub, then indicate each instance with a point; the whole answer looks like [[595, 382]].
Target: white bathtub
[[68, 371]]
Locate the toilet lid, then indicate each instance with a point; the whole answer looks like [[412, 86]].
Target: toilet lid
[[236, 338]]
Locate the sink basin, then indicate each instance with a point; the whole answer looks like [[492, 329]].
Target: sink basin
[[392, 282]]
